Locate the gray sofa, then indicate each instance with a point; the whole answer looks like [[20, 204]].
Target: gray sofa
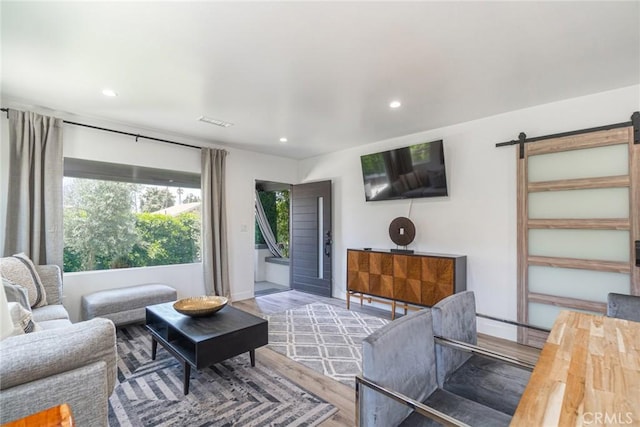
[[411, 378], [63, 363]]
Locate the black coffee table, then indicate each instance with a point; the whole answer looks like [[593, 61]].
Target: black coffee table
[[203, 341]]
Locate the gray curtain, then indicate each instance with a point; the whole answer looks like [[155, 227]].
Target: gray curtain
[[214, 223], [34, 201], [265, 228]]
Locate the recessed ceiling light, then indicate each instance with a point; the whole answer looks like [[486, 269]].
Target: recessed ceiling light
[[395, 104], [283, 139], [109, 92], [216, 122]]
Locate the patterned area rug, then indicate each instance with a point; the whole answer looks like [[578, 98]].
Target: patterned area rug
[[232, 393], [325, 338]]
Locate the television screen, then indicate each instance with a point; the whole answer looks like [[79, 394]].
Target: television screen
[[404, 173]]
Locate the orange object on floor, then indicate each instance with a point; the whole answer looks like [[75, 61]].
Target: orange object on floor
[[57, 416]]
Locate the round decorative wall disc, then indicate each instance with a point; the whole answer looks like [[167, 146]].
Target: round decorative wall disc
[[402, 231]]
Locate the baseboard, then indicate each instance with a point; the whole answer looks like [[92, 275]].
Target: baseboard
[[242, 295], [497, 329]]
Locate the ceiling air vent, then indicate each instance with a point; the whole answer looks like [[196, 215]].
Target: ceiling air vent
[[216, 122]]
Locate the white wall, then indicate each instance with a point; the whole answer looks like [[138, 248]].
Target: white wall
[[478, 219], [259, 266], [277, 273], [243, 168]]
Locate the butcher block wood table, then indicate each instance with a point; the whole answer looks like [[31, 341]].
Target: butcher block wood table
[[588, 374]]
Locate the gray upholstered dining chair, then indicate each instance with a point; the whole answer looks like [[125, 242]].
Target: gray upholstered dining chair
[[426, 369], [623, 306], [399, 386], [482, 378]]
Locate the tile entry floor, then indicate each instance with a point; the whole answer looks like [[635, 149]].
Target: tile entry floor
[[266, 288]]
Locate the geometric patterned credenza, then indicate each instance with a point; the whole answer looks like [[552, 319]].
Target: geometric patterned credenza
[[420, 279]]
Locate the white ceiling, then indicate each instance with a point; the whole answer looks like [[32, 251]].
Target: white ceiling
[[320, 73]]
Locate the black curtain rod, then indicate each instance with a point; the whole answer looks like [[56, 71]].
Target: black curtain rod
[[522, 137], [136, 135]]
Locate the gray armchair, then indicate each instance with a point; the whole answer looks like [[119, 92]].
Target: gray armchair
[[623, 306], [483, 376], [425, 369], [399, 365]]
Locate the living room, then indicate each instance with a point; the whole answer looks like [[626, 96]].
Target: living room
[[597, 86]]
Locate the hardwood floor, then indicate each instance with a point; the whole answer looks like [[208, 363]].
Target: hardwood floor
[[334, 392]]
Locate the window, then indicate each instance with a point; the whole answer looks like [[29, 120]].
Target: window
[[120, 216]]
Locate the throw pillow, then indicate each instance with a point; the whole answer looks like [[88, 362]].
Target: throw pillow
[[22, 321], [16, 293], [20, 270]]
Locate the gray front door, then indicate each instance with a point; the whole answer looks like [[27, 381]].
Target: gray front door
[[311, 238]]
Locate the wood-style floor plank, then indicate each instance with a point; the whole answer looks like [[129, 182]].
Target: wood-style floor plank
[[334, 392]]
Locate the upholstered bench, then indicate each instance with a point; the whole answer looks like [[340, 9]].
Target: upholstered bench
[[125, 305]]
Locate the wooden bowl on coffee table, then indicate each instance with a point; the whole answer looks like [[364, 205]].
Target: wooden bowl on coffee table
[[200, 306]]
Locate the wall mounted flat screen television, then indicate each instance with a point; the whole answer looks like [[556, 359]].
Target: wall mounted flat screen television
[[404, 173]]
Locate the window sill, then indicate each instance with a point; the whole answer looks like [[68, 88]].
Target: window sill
[[275, 260], [113, 270]]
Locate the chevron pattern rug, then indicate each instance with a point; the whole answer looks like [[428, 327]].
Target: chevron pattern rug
[[323, 337], [232, 393]]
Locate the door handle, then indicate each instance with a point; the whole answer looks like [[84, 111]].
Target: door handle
[[327, 244], [327, 248]]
